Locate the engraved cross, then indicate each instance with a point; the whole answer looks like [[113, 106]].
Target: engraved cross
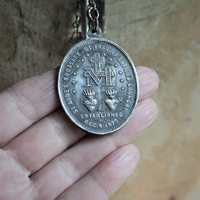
[[97, 60], [97, 75]]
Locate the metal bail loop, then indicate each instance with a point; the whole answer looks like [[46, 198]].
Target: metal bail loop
[[93, 33], [96, 15]]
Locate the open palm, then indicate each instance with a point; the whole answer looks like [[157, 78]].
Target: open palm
[[44, 156]]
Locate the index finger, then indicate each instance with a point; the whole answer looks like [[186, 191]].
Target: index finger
[[27, 102]]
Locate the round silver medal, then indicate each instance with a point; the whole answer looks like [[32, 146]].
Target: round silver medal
[[98, 85]]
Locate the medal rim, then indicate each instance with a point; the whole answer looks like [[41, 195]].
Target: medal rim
[[73, 119]]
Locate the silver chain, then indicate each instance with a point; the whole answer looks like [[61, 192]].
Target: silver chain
[[93, 15], [76, 24]]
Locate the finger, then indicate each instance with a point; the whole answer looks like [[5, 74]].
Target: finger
[[30, 100], [103, 180], [148, 82], [53, 134], [74, 163], [44, 141], [25, 103]]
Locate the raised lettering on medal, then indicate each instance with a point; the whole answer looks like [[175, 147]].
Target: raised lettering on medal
[[98, 86]]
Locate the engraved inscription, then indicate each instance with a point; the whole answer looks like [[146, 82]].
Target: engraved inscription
[[126, 68], [101, 125], [69, 66], [130, 94], [102, 115], [98, 86], [69, 101]]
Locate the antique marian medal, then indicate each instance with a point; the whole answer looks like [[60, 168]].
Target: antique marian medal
[[97, 83]]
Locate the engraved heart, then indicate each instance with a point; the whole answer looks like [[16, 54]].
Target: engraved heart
[[90, 108], [90, 104], [111, 104]]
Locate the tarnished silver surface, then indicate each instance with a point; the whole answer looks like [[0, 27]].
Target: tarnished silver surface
[[98, 86]]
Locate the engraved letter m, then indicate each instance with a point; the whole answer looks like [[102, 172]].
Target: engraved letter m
[[97, 75]]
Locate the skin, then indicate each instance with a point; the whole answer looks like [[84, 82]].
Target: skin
[[44, 156]]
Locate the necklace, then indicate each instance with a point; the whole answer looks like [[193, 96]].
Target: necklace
[[97, 83]]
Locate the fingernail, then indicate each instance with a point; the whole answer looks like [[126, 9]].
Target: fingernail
[[156, 74]]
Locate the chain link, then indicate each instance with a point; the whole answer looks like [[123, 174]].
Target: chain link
[[93, 15]]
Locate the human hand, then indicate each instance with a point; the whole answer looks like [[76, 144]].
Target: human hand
[[44, 156]]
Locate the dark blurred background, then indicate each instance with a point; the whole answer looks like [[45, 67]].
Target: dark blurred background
[[161, 34]]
